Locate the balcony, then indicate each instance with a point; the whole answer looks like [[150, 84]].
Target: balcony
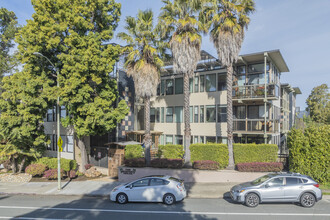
[[253, 125], [256, 91]]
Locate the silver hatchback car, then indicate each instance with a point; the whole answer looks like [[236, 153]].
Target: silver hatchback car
[[278, 187]]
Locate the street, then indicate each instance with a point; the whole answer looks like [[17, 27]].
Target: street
[[73, 207]]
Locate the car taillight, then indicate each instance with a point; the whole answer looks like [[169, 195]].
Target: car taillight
[[179, 187], [317, 185]]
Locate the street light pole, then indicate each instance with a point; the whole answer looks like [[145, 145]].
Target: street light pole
[[58, 123]]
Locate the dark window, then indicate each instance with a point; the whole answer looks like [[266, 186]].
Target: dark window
[[169, 115], [210, 139], [211, 85], [169, 87], [152, 115], [141, 183], [304, 180], [178, 85], [276, 182], [157, 182], [222, 113], [196, 82], [63, 112], [201, 113], [291, 181], [191, 85], [210, 114], [202, 84], [196, 114], [222, 82], [179, 139]]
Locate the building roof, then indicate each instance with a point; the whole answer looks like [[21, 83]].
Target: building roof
[[274, 55]]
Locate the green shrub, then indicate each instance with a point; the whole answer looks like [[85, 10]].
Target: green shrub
[[135, 162], [167, 163], [133, 151], [206, 165], [170, 151], [309, 152], [36, 169], [51, 163], [260, 167], [214, 152], [247, 153]]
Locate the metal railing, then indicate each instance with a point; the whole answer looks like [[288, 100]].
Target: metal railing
[[255, 91], [253, 125]]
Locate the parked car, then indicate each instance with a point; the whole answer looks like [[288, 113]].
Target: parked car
[[164, 189], [278, 187]]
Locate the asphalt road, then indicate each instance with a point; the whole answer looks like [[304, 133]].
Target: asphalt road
[[72, 207]]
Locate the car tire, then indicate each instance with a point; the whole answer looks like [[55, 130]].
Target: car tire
[[122, 198], [252, 200], [169, 199], [307, 200]]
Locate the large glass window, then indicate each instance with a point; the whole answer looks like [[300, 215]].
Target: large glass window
[[257, 68], [169, 115], [202, 139], [162, 87], [211, 85], [179, 139], [241, 70], [196, 83], [178, 85], [253, 112], [169, 139], [162, 114], [169, 87], [63, 112], [202, 84], [51, 115], [196, 114], [191, 85], [152, 115], [195, 139], [241, 80], [201, 114], [191, 112], [178, 114], [210, 139], [157, 115], [222, 113], [239, 112], [210, 113], [221, 82]]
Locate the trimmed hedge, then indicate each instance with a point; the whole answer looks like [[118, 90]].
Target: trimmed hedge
[[170, 151], [36, 169], [51, 163], [133, 151], [206, 165], [135, 162], [309, 152], [214, 152], [167, 163], [260, 167], [248, 153]]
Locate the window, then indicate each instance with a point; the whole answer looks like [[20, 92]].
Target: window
[[69, 140], [241, 80], [241, 69], [178, 85], [51, 115], [239, 112], [257, 68], [202, 139], [222, 113], [222, 82], [253, 112], [201, 114], [157, 182], [202, 85], [276, 182], [169, 87], [178, 114], [210, 113], [191, 114], [291, 181], [169, 115], [152, 115], [196, 82], [162, 87], [211, 83], [169, 139], [195, 139], [196, 114], [141, 183], [63, 112], [157, 111], [162, 115], [161, 140], [179, 139], [191, 85], [210, 140]]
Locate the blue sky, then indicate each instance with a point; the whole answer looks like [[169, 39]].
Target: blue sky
[[299, 28]]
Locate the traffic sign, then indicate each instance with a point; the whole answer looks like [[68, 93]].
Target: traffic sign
[[60, 143]]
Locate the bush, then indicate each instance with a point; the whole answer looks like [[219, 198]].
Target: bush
[[248, 153], [51, 163], [166, 163], [88, 166], [214, 152], [170, 151], [52, 174], [135, 162], [260, 167], [72, 174], [309, 152], [133, 151], [206, 165], [36, 169]]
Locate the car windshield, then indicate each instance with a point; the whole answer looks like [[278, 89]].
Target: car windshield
[[260, 180]]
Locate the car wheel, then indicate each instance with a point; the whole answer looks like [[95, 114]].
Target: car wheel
[[122, 198], [169, 199], [307, 200], [252, 200]]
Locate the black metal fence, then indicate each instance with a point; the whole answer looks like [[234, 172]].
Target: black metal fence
[[99, 156]]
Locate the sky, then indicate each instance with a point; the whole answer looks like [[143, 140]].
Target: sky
[[300, 29]]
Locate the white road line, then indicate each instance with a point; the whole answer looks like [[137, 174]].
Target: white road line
[[166, 212], [27, 218]]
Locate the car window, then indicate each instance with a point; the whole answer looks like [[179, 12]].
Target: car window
[[291, 181], [261, 180], [141, 183], [157, 182], [276, 182]]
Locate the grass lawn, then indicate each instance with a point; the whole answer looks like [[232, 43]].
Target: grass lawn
[[325, 188]]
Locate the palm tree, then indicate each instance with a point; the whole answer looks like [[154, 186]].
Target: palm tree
[[143, 61], [179, 22], [226, 20]]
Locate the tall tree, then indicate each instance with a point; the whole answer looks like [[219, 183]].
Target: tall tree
[[226, 20], [21, 119], [8, 28], [179, 22], [318, 104], [143, 61], [74, 36]]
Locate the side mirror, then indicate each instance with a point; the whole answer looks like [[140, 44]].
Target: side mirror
[[131, 186], [267, 185]]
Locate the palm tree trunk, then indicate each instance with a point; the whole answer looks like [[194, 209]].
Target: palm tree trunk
[[21, 165], [13, 164], [83, 152], [229, 84], [147, 136], [187, 130]]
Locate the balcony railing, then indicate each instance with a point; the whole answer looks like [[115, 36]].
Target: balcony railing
[[255, 91], [253, 125]]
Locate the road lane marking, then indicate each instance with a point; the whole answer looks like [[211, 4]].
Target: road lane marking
[[166, 212], [30, 218]]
